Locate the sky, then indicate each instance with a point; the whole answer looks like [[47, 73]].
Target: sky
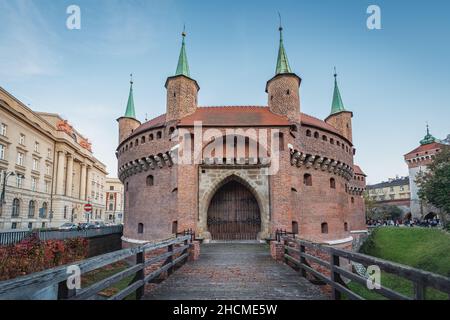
[[395, 79]]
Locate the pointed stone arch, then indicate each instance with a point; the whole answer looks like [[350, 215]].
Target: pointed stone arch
[[254, 179]]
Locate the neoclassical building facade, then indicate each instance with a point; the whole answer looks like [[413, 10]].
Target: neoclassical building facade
[[240, 172], [51, 171]]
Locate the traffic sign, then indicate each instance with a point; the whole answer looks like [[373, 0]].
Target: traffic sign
[[88, 207]]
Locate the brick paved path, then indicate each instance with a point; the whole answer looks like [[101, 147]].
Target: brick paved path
[[235, 271]]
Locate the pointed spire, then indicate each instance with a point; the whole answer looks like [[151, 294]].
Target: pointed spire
[[337, 105], [428, 137], [183, 66], [130, 112], [282, 61]]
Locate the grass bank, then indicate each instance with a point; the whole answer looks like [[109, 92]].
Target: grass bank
[[422, 248]]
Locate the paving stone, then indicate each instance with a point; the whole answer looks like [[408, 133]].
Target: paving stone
[[230, 271]]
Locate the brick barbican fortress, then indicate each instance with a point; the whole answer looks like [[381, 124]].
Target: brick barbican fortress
[[315, 189]]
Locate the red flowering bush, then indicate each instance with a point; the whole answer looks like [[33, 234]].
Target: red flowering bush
[[32, 255]]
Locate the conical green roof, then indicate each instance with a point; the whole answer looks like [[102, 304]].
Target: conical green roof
[[428, 138], [282, 61], [183, 65], [337, 105], [130, 112]]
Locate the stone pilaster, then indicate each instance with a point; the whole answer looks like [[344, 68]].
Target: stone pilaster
[[69, 175], [60, 174], [83, 182]]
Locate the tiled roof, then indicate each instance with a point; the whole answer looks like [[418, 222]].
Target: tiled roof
[[357, 170], [393, 183], [425, 147], [235, 116]]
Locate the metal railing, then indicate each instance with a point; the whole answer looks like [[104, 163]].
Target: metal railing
[[324, 263], [11, 237], [55, 280]]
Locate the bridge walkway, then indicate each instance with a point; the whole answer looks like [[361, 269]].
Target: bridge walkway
[[229, 271]]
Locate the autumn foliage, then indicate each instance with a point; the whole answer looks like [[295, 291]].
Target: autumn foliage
[[32, 255]]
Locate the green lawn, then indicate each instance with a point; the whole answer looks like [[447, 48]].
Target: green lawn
[[426, 249]]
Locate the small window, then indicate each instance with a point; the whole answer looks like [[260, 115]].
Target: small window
[[332, 141], [131, 145], [294, 128], [338, 143], [288, 92], [150, 137], [171, 130], [307, 180], [137, 142], [324, 227], [308, 133], [143, 139], [175, 227], [294, 227], [332, 183], [140, 228], [159, 135], [316, 135], [150, 181], [280, 137], [324, 138], [293, 190], [345, 226], [353, 200], [126, 186]]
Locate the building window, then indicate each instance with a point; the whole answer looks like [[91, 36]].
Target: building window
[[338, 143], [47, 170], [175, 227], [159, 135], [126, 187], [143, 139], [324, 138], [65, 212], [14, 225], [19, 180], [332, 141], [47, 187], [280, 137], [150, 181], [36, 164], [352, 200], [140, 228], [31, 209], [15, 208], [49, 153], [30, 225], [324, 227], [36, 146], [332, 183], [294, 227], [22, 139], [308, 133], [111, 207], [307, 180], [111, 196], [316, 135], [137, 142], [44, 210], [34, 183], [111, 188], [20, 157], [345, 226], [150, 137], [2, 152], [3, 129]]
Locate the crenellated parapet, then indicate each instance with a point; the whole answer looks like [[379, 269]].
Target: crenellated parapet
[[319, 162], [147, 163]]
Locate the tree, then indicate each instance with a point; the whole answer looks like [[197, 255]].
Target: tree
[[369, 205], [434, 184]]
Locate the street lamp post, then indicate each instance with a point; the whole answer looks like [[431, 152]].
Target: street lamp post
[[6, 175]]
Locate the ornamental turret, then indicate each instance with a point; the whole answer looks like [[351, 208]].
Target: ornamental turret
[[128, 123]]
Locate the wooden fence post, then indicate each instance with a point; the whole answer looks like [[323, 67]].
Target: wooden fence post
[[419, 291], [334, 261], [170, 259], [140, 275], [302, 260]]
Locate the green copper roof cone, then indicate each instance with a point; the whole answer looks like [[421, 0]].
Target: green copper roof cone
[[337, 105], [183, 66], [130, 112], [428, 138], [282, 61]]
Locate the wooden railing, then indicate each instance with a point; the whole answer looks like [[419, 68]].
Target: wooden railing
[[11, 237], [337, 266], [27, 286]]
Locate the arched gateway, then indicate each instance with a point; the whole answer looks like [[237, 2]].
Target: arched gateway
[[233, 213]]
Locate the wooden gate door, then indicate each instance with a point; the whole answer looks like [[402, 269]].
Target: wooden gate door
[[233, 213]]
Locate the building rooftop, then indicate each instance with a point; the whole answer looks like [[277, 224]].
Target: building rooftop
[[391, 183]]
